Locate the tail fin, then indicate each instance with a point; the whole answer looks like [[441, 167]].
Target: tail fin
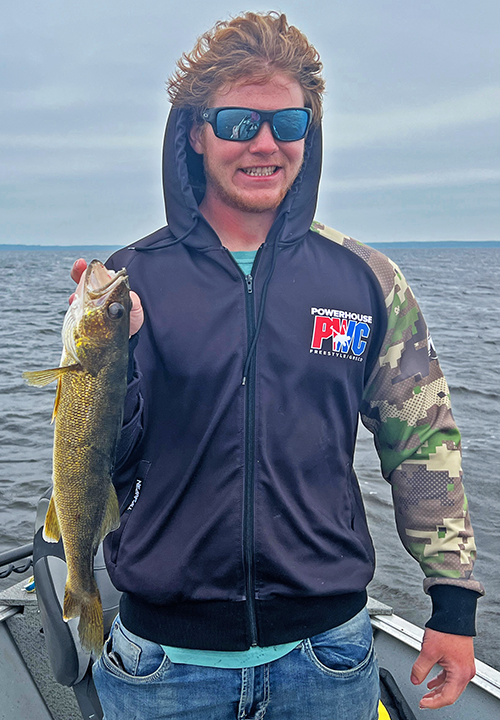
[[88, 606]]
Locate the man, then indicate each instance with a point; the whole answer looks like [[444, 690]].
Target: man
[[243, 552]]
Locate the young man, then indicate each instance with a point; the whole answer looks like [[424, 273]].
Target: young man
[[243, 552]]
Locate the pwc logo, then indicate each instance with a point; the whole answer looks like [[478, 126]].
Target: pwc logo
[[340, 333]]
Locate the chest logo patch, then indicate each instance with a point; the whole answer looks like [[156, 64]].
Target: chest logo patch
[[340, 333]]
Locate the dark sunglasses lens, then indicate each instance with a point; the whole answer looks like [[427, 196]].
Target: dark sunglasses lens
[[291, 125], [237, 124]]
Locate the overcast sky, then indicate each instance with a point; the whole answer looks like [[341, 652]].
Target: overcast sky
[[412, 115]]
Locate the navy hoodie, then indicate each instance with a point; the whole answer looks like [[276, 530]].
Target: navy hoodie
[[242, 521]]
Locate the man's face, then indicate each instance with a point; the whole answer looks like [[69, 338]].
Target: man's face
[[252, 175]]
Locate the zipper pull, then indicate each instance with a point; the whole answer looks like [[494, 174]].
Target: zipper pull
[[249, 281]]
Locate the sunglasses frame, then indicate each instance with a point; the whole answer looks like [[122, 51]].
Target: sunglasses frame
[[209, 115]]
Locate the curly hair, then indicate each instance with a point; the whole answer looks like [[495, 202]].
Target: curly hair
[[252, 45]]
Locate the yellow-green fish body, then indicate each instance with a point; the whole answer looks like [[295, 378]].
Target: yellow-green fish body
[[92, 381]]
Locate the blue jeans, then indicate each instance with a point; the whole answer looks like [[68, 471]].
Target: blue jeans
[[332, 676]]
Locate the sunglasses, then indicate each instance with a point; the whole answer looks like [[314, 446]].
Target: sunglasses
[[240, 124]]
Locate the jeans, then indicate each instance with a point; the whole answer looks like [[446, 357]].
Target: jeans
[[331, 676]]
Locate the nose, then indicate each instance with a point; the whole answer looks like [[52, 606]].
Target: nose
[[264, 142]]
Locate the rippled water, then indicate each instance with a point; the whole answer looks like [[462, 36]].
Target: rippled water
[[458, 291]]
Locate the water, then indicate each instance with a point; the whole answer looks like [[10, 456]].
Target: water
[[457, 289]]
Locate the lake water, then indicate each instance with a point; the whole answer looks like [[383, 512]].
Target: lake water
[[457, 289]]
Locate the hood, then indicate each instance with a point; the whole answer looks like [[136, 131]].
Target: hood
[[184, 187]]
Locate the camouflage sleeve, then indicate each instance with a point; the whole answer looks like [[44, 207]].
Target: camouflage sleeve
[[407, 407]]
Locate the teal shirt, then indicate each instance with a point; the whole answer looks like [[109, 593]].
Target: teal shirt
[[245, 259], [255, 655], [214, 658]]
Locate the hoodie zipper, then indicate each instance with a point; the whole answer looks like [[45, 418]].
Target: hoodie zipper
[[249, 483]]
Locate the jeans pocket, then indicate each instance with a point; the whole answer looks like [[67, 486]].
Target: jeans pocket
[[131, 657], [344, 650]]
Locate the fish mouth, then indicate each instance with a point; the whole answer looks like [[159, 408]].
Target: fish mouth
[[89, 296], [99, 281]]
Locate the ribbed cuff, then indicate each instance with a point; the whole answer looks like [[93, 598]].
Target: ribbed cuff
[[453, 610]]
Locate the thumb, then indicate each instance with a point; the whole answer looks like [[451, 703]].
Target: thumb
[[422, 667]]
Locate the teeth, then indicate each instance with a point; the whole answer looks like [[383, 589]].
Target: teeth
[[259, 171]]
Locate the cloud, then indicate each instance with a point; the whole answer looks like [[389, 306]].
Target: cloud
[[78, 141], [351, 130], [430, 179]]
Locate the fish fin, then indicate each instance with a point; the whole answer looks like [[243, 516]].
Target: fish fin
[[51, 531], [89, 607], [71, 605], [56, 400], [44, 377], [112, 515]]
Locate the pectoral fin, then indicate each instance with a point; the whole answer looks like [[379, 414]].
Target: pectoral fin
[[51, 532], [44, 377], [56, 400], [112, 516]]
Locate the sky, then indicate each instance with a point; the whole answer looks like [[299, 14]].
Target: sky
[[411, 121]]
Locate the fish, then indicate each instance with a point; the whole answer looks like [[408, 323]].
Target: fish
[[87, 416]]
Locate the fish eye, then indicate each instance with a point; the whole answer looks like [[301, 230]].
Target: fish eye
[[115, 310]]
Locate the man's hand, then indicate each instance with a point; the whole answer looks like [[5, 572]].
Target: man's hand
[[455, 654], [136, 314]]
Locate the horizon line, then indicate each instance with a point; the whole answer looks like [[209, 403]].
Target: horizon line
[[41, 246]]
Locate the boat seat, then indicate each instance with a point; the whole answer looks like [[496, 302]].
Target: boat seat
[[70, 663]]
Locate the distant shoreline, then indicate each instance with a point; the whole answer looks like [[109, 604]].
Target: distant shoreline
[[110, 248], [422, 244]]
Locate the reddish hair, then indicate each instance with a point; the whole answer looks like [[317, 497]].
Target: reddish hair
[[251, 46]]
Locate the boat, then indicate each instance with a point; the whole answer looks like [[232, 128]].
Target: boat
[[46, 675]]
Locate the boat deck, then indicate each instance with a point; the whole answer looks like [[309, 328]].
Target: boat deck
[[43, 699], [28, 689]]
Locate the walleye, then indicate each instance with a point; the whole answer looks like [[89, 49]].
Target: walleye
[[88, 410]]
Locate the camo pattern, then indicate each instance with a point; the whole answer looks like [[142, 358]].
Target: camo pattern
[[407, 407]]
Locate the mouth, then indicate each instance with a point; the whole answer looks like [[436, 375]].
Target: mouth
[[261, 171], [100, 281]]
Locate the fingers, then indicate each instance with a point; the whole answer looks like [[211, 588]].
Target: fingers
[[79, 267], [446, 694], [136, 314], [437, 681]]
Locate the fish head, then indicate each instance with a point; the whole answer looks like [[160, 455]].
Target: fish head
[[96, 326]]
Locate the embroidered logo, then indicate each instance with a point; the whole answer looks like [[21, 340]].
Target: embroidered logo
[[340, 333], [138, 484]]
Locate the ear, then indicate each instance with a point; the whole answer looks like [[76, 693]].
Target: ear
[[196, 138]]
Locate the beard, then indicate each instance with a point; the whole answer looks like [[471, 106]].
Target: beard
[[244, 201]]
